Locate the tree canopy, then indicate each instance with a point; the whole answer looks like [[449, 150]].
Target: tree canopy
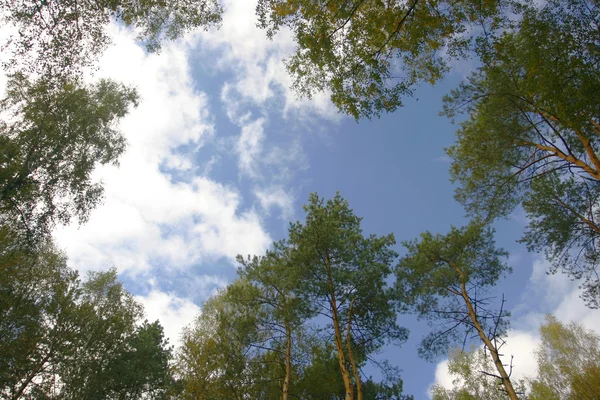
[[369, 54], [61, 338], [58, 38], [317, 300], [445, 279], [532, 135], [568, 362]]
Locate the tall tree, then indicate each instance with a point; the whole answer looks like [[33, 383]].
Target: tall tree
[[52, 139], [283, 311], [344, 276], [444, 279], [568, 362], [368, 54], [59, 37], [220, 357], [532, 135], [37, 293]]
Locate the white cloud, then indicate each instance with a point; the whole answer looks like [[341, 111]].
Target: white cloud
[[249, 146], [260, 74], [276, 196], [173, 312], [146, 217]]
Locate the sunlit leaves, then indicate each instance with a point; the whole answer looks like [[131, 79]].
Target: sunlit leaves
[[60, 37], [370, 54], [54, 135]]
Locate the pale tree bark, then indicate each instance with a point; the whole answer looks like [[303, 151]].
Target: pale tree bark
[[288, 362]]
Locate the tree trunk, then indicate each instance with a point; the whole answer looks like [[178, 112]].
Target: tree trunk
[[355, 372], [338, 335], [504, 377], [288, 362]]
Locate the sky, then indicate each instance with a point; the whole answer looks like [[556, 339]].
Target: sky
[[222, 154]]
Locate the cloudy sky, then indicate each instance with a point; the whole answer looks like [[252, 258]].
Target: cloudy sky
[[222, 155]]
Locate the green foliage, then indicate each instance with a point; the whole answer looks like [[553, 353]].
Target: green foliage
[[343, 274], [53, 136], [368, 54], [440, 274], [60, 37], [219, 358], [471, 383], [61, 338], [563, 214], [532, 134], [339, 264], [568, 363]]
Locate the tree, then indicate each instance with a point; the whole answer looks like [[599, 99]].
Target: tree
[[247, 340], [282, 311], [51, 141], [218, 358], [343, 274], [568, 362], [369, 54], [59, 37], [473, 378], [61, 338], [532, 135], [444, 279], [36, 297]]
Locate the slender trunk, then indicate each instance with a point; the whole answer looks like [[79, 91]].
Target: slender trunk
[[355, 372], [288, 362], [504, 377], [338, 335], [32, 375]]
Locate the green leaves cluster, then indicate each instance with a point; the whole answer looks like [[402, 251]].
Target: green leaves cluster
[[568, 362], [53, 137], [60, 37], [369, 54], [64, 338]]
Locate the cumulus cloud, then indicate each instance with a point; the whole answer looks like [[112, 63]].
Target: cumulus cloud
[[173, 312], [147, 218], [249, 146], [276, 197], [259, 73]]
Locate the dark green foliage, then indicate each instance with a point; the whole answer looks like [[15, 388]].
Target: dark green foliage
[[61, 338], [330, 249]]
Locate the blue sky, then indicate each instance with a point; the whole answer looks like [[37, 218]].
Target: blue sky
[[222, 155]]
